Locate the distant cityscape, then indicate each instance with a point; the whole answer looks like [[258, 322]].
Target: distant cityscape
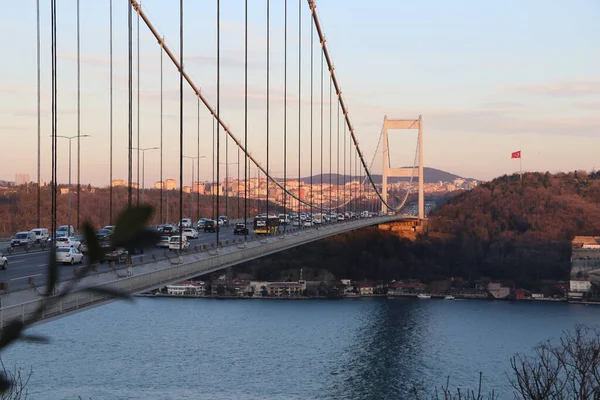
[[258, 188]]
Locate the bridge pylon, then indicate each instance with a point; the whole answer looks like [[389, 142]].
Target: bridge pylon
[[388, 171]]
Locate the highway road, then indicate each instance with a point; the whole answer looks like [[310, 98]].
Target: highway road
[[22, 265]]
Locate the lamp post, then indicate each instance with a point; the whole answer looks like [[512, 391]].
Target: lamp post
[[226, 186], [144, 164], [69, 138], [192, 187]]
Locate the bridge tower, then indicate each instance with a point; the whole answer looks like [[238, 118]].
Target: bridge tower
[[402, 172]]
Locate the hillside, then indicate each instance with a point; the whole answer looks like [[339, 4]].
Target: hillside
[[432, 175], [505, 229]]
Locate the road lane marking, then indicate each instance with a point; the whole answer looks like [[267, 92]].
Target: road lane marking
[[15, 262], [25, 277]]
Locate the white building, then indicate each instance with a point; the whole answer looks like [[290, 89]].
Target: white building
[[187, 288]]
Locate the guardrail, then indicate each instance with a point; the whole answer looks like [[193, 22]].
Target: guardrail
[[146, 281]]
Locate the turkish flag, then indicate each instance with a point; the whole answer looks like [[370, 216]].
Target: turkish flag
[[516, 154]]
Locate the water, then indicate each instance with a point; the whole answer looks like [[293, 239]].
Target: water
[[251, 349]]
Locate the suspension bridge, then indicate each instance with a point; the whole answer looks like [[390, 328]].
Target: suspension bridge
[[290, 121]]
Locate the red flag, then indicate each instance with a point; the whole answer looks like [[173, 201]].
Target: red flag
[[516, 154]]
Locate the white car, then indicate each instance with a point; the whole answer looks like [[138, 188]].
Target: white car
[[3, 262], [70, 241], [190, 233], [68, 255], [174, 243], [163, 242]]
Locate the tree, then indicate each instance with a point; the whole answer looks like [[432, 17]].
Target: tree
[[19, 379], [569, 369]]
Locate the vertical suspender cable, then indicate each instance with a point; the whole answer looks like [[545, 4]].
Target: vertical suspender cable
[[130, 115], [78, 114], [39, 126], [180, 121], [138, 106], [330, 126], [246, 120], [351, 199], [197, 168], [344, 189], [268, 102], [322, 122], [299, 104], [54, 121], [285, 38], [214, 188], [162, 183], [311, 121], [338, 156], [218, 109], [110, 151]]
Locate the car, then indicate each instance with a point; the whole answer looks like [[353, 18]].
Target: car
[[111, 253], [210, 225], [83, 246], [23, 239], [190, 233], [41, 234], [69, 241], [103, 234], [163, 242], [66, 230], [185, 223], [200, 224], [240, 229], [223, 220], [167, 229], [3, 262], [68, 255], [175, 245]]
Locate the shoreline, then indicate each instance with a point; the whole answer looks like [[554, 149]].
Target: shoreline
[[387, 296]]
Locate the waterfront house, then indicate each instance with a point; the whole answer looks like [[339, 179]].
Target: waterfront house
[[285, 289], [498, 291], [231, 288], [401, 288], [187, 288], [365, 288]]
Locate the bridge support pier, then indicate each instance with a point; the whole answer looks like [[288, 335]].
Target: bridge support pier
[[388, 171]]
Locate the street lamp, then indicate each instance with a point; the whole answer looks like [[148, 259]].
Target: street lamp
[[226, 187], [144, 164], [192, 186], [69, 138]]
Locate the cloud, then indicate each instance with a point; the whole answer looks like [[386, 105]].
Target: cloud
[[502, 122], [506, 105], [16, 89], [564, 88], [588, 105]]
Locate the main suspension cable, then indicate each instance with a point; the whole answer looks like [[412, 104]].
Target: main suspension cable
[[130, 115]]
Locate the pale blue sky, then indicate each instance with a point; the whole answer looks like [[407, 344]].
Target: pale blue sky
[[488, 77]]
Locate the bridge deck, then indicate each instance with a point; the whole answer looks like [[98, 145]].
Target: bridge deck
[[150, 276]]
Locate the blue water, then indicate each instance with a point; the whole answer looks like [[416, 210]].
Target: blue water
[[162, 348]]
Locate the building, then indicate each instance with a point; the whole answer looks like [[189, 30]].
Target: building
[[498, 291], [158, 185], [365, 288], [170, 184], [21, 179], [118, 182], [400, 288], [285, 289], [231, 288], [187, 288]]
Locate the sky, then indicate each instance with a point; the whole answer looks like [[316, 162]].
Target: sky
[[489, 78]]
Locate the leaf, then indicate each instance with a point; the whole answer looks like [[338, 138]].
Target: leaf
[[11, 332], [94, 250], [130, 222], [52, 271], [35, 338], [142, 239], [106, 291]]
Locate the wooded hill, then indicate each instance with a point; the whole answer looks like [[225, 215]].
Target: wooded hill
[[506, 229]]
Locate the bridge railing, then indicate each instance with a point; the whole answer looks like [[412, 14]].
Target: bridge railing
[[192, 267]]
